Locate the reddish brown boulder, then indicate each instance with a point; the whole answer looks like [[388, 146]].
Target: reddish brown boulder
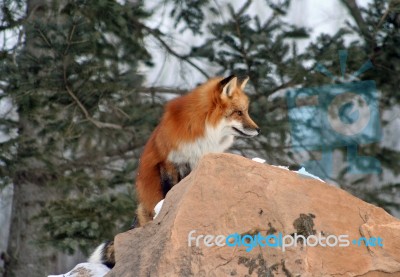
[[229, 194]]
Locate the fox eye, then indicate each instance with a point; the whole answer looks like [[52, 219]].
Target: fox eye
[[239, 113]]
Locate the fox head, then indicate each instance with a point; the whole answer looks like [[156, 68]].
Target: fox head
[[234, 105]]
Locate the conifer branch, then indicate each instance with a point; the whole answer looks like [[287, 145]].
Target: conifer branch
[[355, 12], [97, 123], [158, 36], [162, 90]]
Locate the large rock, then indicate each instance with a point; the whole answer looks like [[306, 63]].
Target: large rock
[[230, 194]]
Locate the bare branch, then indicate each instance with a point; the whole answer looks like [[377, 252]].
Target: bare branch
[[97, 123], [44, 37], [356, 14], [382, 20], [288, 84], [70, 39], [157, 35], [162, 90]]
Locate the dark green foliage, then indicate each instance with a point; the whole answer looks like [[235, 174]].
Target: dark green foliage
[[189, 14], [81, 121], [82, 117], [79, 223]]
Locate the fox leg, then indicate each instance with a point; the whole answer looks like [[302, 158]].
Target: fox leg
[[168, 177], [184, 170], [149, 191], [143, 215]]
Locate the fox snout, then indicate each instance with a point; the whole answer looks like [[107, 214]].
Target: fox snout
[[246, 128], [258, 130], [251, 128]]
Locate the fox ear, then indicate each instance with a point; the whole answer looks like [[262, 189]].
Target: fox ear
[[244, 82], [228, 85]]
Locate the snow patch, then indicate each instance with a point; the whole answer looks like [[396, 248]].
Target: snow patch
[[301, 171], [281, 167], [259, 160], [97, 256], [157, 208], [86, 269]]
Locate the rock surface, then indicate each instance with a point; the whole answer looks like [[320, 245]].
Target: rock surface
[[230, 194]]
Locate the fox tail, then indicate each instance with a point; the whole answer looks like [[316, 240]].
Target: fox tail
[[104, 254]]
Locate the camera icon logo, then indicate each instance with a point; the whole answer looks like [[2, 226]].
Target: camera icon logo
[[336, 115]]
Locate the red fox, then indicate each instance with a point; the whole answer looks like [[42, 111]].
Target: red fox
[[205, 120]]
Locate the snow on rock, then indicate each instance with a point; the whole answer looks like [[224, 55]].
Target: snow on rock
[[301, 171], [157, 208], [86, 270], [281, 167], [304, 172], [259, 160]]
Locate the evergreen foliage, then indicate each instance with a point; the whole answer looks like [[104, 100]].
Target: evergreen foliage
[[80, 119], [81, 113]]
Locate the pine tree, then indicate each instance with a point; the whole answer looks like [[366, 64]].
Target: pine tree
[[81, 113], [80, 123]]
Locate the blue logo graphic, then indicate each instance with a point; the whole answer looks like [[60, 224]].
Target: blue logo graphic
[[343, 114]]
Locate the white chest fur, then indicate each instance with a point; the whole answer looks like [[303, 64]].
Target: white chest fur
[[215, 140]]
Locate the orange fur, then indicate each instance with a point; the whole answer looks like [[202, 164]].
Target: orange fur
[[184, 123]]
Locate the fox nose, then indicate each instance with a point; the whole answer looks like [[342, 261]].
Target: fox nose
[[258, 130]]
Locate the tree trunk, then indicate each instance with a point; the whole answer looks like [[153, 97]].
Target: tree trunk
[[31, 191], [26, 258]]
